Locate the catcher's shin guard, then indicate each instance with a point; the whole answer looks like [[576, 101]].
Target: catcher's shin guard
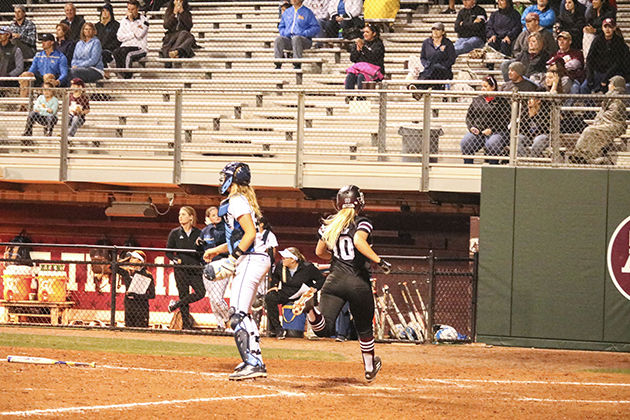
[[246, 339]]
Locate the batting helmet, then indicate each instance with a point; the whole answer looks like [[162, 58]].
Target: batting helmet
[[234, 172], [350, 197]]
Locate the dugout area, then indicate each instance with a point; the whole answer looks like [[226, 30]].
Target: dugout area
[[543, 279]]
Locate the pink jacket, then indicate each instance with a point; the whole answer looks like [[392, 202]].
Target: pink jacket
[[370, 71]]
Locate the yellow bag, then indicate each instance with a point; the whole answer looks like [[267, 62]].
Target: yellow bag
[[380, 9]]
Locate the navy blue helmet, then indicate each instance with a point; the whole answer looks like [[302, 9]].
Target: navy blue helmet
[[351, 197], [234, 172]]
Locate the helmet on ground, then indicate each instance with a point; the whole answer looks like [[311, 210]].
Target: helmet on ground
[[350, 197], [234, 172]]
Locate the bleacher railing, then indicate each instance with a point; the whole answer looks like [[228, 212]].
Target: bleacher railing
[[178, 130]]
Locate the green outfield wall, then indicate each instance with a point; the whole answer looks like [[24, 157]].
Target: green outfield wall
[[543, 277]]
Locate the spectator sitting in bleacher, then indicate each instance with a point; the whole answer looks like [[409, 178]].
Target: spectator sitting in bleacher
[[517, 82], [571, 59], [368, 56], [557, 79], [87, 63], [78, 107], [44, 112], [49, 65], [178, 41], [487, 121], [345, 17], [73, 21], [522, 42], [534, 128], [23, 32], [595, 16], [64, 44], [297, 28], [320, 10], [437, 57], [106, 30], [534, 59], [571, 19], [610, 123], [470, 26], [547, 17], [132, 35], [609, 56], [11, 61], [503, 27]]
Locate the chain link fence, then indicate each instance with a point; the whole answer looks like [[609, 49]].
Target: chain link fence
[[423, 294], [120, 287], [109, 287]]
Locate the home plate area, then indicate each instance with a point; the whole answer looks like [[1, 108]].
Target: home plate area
[[416, 382]]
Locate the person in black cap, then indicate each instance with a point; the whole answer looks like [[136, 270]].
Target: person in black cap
[[49, 65], [11, 60], [106, 30]]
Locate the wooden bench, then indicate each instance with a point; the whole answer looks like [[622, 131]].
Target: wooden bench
[[21, 311]]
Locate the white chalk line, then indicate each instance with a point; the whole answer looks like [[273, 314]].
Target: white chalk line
[[454, 381], [79, 409]]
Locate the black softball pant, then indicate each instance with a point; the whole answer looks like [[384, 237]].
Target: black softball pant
[[185, 278], [340, 288]]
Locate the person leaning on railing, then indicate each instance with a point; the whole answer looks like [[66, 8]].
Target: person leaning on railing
[[487, 120]]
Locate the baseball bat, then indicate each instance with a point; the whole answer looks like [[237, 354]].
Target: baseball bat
[[46, 361], [424, 308], [419, 318], [401, 318], [413, 321], [386, 316], [378, 328]]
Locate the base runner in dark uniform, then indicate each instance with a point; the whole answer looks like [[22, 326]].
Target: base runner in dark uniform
[[345, 239]]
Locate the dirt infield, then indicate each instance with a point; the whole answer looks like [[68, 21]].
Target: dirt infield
[[473, 381]]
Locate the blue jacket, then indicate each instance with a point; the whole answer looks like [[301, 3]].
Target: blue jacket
[[547, 18], [88, 54], [306, 24], [55, 63]]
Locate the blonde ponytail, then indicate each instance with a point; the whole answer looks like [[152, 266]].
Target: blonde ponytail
[[336, 224], [249, 194]]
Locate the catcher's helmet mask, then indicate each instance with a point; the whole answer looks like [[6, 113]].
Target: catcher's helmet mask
[[234, 172], [350, 197]]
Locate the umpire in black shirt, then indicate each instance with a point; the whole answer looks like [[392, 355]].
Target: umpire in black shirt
[[189, 275], [288, 282]]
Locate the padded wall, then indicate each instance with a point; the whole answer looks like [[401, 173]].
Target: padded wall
[[542, 269]]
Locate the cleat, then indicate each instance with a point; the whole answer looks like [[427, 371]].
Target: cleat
[[172, 305], [281, 335], [305, 302], [249, 372], [240, 366], [377, 366]]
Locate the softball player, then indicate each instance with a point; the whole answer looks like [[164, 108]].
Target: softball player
[[240, 212], [345, 238]]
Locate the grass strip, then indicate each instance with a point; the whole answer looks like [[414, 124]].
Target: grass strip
[[152, 347], [623, 371]]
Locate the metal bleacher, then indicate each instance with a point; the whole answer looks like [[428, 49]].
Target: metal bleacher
[[235, 104]]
